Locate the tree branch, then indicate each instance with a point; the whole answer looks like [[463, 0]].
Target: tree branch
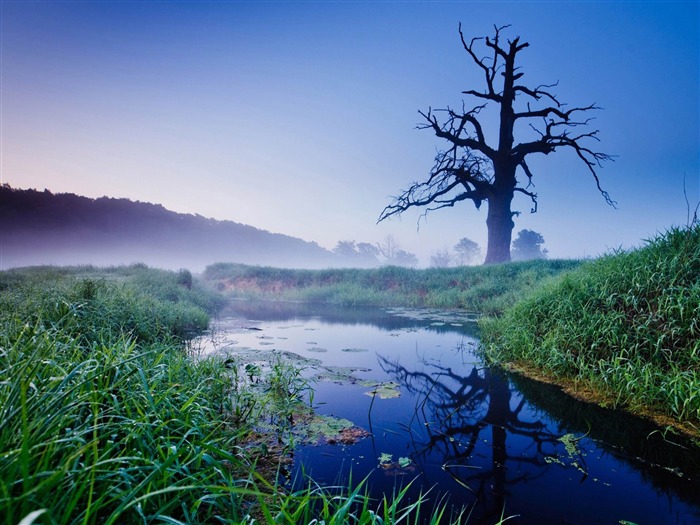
[[449, 173]]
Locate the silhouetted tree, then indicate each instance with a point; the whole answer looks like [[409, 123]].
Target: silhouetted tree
[[477, 168], [528, 245], [466, 251]]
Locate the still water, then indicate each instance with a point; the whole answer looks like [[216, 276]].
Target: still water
[[473, 436]]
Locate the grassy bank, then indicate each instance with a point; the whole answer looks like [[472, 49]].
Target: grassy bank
[[483, 289], [105, 419], [626, 326]]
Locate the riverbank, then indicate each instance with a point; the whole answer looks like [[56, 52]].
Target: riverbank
[[623, 330], [106, 419], [487, 290]]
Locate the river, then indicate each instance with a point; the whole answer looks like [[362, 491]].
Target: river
[[475, 437]]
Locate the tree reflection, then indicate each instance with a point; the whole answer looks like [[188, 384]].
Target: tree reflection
[[452, 420]]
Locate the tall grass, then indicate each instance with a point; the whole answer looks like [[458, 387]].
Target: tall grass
[[105, 419], [627, 323], [485, 289]]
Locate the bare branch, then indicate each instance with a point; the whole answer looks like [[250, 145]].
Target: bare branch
[[533, 198], [489, 71], [448, 131], [450, 173]]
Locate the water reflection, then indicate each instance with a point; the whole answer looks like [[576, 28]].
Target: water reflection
[[476, 436], [437, 320], [455, 410], [492, 431], [669, 462]]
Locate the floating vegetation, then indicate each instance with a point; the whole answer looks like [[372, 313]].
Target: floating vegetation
[[342, 375], [435, 316], [405, 462], [318, 429], [317, 350], [395, 468], [349, 436], [385, 458], [574, 453], [385, 390], [354, 350]]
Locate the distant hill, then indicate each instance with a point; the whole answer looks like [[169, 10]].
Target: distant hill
[[39, 227]]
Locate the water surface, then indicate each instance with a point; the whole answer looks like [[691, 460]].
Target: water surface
[[474, 436]]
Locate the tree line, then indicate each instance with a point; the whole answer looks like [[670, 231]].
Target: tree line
[[527, 245]]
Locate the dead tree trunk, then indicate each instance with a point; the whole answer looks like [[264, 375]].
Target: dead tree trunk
[[499, 222]]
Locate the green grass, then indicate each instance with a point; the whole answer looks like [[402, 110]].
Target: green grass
[[104, 418], [627, 324], [484, 289]]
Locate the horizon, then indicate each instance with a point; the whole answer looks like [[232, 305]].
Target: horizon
[[299, 118]]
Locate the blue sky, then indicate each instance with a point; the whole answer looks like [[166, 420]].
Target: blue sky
[[300, 117]]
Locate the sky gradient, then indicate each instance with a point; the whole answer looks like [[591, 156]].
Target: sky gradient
[[300, 117]]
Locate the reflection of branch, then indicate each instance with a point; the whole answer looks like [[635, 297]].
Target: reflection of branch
[[458, 409]]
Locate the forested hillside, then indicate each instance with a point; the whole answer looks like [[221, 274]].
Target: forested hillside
[[39, 227]]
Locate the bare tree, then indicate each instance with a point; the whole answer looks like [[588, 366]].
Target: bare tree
[[388, 247], [476, 169], [441, 258]]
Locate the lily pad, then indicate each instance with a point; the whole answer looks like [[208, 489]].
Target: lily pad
[[388, 390], [354, 350]]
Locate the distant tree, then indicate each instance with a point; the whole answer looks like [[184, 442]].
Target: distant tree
[[362, 254], [184, 278], [390, 249], [528, 245], [402, 258], [368, 251], [479, 168], [346, 249], [441, 258], [466, 251]]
